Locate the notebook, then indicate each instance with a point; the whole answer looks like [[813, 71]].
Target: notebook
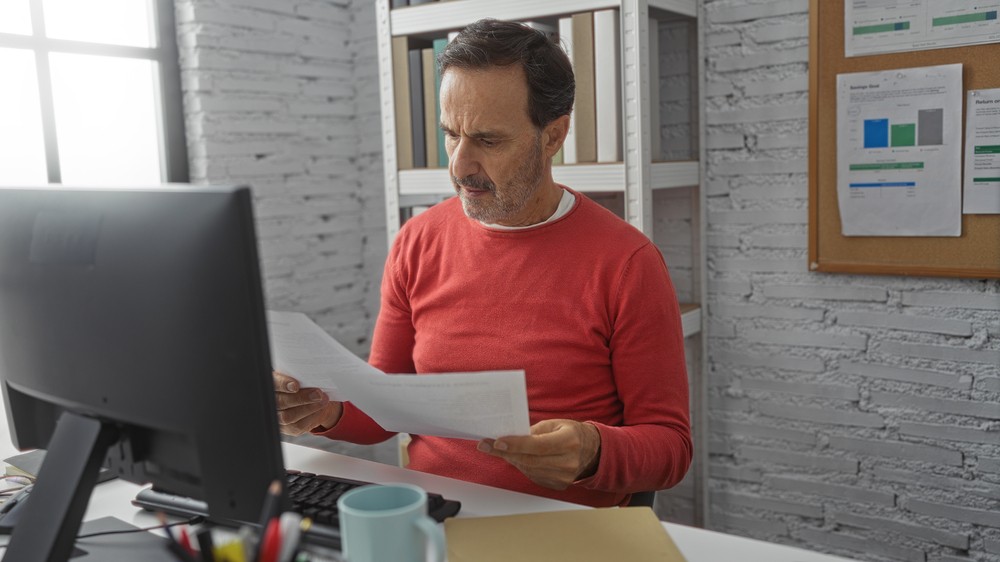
[[584, 535]]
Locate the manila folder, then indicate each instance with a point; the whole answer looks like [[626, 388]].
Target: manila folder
[[585, 535]]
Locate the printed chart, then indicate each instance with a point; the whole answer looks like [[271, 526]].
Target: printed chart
[[899, 152], [887, 26]]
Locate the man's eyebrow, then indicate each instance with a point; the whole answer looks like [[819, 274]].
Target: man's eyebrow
[[488, 134]]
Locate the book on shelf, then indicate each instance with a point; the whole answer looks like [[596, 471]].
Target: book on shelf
[[585, 108], [557, 158], [428, 111], [416, 81], [439, 45], [654, 90], [566, 38], [607, 86], [401, 103]]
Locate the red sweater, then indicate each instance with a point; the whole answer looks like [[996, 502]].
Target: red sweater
[[583, 304]]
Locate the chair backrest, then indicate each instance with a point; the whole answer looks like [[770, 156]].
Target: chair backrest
[[642, 499]]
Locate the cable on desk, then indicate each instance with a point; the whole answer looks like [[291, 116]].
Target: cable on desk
[[192, 521]]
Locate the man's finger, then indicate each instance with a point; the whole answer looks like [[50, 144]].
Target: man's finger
[[553, 442], [291, 416], [285, 383], [285, 400]]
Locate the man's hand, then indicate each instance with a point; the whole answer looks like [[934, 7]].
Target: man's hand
[[300, 410], [556, 454]]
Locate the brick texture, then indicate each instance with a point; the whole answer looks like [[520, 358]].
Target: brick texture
[[873, 397], [274, 99]]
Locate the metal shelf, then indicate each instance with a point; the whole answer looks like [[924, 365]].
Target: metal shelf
[[586, 178], [444, 16], [690, 319]]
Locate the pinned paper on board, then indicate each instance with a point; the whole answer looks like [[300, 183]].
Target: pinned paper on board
[[899, 152], [982, 153]]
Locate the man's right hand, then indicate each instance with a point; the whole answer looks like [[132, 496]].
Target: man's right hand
[[301, 410]]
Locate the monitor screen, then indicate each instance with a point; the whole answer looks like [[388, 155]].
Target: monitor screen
[[133, 334]]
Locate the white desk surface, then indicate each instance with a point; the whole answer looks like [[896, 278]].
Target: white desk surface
[[113, 499]]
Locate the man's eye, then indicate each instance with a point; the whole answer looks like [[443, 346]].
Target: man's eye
[[488, 143]]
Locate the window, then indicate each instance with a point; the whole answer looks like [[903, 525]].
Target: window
[[91, 93]]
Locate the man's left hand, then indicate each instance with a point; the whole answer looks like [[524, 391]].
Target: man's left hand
[[556, 454]]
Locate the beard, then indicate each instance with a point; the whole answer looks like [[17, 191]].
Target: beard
[[508, 199]]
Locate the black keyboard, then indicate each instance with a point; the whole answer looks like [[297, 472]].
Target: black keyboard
[[312, 495]]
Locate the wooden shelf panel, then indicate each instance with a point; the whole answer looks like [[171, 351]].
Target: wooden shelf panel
[[581, 177], [446, 16]]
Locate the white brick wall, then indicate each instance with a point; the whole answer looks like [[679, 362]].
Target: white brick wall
[[274, 96], [849, 414]]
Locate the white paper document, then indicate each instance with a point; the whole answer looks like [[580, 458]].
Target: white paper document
[[887, 26], [461, 405], [899, 152], [305, 351], [982, 152]]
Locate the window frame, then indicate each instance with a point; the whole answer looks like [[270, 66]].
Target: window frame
[[173, 143]]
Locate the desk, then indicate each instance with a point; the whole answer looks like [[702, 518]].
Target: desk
[[113, 499]]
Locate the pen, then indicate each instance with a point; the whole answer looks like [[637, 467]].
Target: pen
[[172, 545], [185, 541], [232, 551], [271, 543], [291, 531], [271, 510], [206, 544]]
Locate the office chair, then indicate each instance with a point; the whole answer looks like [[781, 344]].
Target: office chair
[[642, 499]]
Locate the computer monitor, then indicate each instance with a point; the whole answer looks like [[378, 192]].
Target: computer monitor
[[133, 333]]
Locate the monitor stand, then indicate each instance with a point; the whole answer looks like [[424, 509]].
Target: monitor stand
[[51, 518]]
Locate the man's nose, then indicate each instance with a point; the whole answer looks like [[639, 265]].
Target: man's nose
[[463, 161]]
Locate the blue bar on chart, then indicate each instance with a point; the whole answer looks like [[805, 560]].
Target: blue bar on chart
[[886, 184], [876, 133]]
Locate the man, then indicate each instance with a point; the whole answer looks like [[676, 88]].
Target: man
[[519, 272]]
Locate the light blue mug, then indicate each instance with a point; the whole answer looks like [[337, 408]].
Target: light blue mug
[[380, 523]]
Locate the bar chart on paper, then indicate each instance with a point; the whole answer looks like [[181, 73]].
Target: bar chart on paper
[[899, 152], [886, 26], [926, 130]]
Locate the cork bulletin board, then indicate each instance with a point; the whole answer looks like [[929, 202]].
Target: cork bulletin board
[[974, 254]]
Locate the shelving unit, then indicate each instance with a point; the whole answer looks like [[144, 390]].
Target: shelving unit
[[635, 178]]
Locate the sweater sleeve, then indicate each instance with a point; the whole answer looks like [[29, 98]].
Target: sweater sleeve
[[652, 448], [391, 352]]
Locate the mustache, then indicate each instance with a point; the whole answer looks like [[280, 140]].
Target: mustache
[[474, 182]]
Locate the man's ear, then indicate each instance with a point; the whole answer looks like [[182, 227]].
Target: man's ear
[[554, 134]]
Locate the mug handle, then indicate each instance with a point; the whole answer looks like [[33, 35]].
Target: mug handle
[[434, 535]]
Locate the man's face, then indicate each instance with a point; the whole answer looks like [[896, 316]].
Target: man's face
[[495, 152]]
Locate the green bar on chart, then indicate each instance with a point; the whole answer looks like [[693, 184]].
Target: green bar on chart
[[964, 18], [887, 166], [987, 149], [880, 28], [903, 135]]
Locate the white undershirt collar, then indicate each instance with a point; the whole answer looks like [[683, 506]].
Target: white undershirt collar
[[566, 203]]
